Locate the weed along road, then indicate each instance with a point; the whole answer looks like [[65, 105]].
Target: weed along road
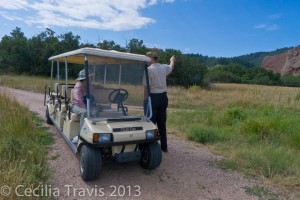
[[187, 171]]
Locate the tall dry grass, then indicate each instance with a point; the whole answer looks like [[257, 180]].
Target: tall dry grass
[[220, 96], [224, 95], [29, 83], [23, 144]]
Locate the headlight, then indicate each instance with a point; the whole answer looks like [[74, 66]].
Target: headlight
[[150, 134], [101, 137]]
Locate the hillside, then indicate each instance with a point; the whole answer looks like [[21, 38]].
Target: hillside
[[287, 63], [248, 60]]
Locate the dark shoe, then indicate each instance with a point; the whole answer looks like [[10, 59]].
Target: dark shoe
[[165, 150]]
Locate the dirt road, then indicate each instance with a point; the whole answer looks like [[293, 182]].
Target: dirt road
[[186, 171]]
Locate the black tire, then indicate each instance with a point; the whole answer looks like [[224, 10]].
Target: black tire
[[151, 155], [90, 163], [48, 120]]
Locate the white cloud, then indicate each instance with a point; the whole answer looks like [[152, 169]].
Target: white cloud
[[9, 16], [268, 27], [272, 27], [153, 2], [14, 4], [106, 15], [275, 16], [260, 26], [168, 1]]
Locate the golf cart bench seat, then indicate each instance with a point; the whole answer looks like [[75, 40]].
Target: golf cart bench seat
[[63, 89], [59, 90], [74, 117]]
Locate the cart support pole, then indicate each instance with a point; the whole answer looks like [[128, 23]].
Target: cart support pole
[[66, 91], [87, 85], [149, 106]]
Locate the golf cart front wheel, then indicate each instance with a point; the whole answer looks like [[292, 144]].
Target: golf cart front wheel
[[90, 163], [151, 155]]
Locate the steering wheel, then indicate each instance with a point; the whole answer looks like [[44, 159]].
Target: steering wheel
[[118, 96]]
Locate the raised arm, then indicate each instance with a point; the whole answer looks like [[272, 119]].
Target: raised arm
[[172, 62]]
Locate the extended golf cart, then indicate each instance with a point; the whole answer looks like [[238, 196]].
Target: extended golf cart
[[116, 127]]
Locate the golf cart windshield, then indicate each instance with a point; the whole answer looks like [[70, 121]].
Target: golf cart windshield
[[116, 90]]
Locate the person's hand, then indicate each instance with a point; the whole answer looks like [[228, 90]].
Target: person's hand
[[172, 59]]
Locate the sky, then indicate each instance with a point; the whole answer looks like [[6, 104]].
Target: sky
[[220, 28]]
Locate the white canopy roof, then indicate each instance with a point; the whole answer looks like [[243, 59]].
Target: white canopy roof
[[99, 56]]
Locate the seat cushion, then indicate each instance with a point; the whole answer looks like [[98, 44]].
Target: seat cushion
[[75, 117]]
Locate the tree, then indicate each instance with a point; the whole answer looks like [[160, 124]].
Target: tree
[[136, 46], [41, 47], [14, 52], [68, 42], [110, 45]]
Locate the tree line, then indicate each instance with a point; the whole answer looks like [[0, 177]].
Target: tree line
[[29, 56]]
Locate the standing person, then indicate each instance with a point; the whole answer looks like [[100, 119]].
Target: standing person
[[158, 92]]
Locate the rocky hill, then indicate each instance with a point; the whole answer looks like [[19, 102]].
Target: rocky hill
[[284, 63]]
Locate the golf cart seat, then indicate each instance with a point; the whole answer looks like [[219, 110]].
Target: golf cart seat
[[74, 117], [56, 90], [63, 91]]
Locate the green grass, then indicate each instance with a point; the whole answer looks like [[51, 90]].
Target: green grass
[[261, 141], [23, 146], [261, 192]]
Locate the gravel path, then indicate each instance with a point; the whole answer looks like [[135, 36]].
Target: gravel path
[[185, 172]]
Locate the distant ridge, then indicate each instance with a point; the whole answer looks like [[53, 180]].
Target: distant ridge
[[248, 60]]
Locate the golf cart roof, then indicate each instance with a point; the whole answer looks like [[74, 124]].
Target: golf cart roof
[[99, 56]]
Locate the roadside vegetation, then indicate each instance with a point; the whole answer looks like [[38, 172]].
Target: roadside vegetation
[[23, 146], [29, 83], [256, 128]]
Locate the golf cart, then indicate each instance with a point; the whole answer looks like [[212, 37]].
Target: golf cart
[[116, 127]]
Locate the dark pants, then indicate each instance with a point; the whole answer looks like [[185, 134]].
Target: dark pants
[[159, 104]]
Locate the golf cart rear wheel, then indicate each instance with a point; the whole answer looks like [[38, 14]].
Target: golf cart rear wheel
[[90, 163], [151, 155], [48, 120]]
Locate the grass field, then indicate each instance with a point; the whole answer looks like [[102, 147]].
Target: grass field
[[23, 144], [256, 127]]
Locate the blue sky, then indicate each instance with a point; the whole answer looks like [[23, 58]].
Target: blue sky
[[221, 28]]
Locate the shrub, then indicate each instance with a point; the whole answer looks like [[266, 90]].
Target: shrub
[[267, 160], [202, 135], [234, 114]]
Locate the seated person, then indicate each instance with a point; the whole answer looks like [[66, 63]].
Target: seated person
[[79, 93]]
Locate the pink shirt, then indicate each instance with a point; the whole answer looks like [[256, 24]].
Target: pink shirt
[[78, 94]]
